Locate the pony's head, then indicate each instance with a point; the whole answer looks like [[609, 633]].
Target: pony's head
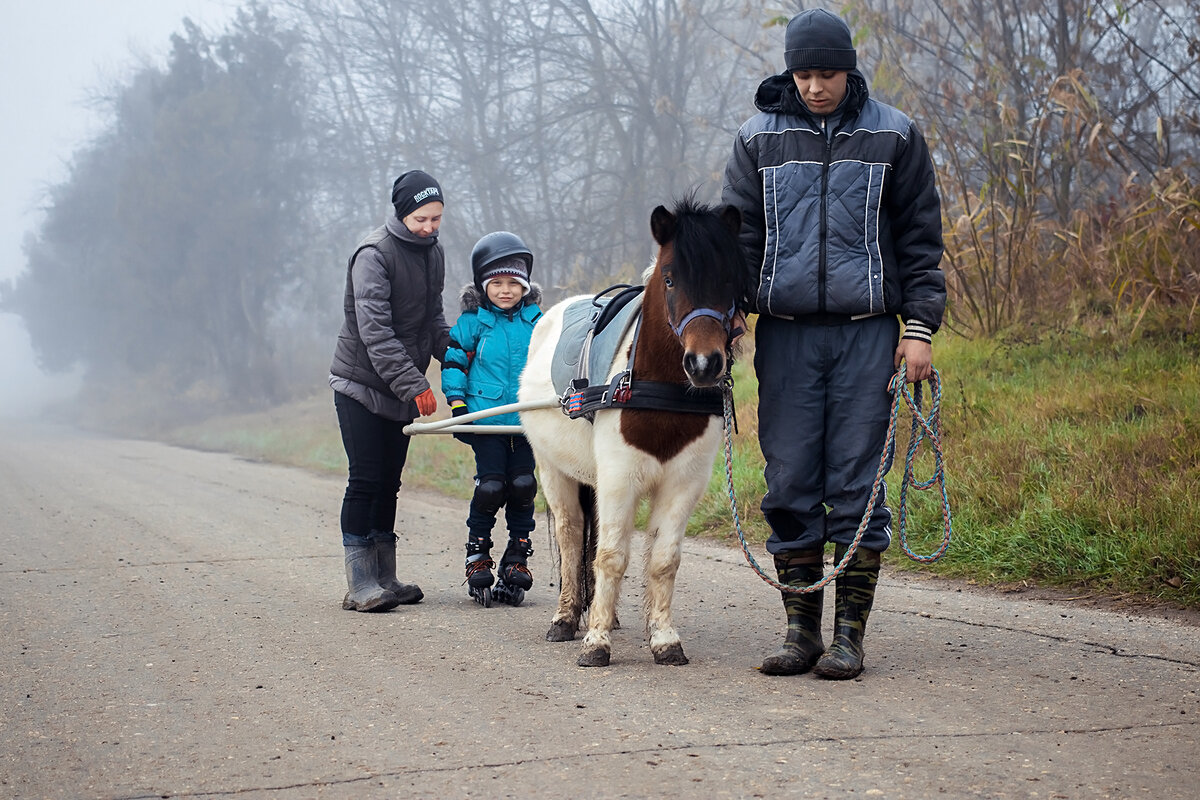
[[702, 273]]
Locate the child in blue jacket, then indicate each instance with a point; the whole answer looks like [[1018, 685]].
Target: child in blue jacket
[[488, 347]]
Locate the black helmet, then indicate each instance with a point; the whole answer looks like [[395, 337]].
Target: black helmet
[[496, 246]]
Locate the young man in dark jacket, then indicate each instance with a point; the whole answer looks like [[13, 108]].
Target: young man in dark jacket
[[393, 326], [842, 234]]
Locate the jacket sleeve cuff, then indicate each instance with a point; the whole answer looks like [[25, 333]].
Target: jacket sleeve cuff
[[915, 329]]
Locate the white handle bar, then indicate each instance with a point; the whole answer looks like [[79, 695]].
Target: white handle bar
[[458, 424]]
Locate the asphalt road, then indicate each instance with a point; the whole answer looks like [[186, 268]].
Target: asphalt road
[[172, 628]]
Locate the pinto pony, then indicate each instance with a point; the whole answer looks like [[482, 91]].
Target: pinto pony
[[626, 454]]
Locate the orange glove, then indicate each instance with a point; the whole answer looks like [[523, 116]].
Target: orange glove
[[426, 403]]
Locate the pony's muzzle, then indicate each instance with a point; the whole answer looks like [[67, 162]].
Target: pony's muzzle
[[704, 370]]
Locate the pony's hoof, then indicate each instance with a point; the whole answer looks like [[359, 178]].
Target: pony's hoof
[[560, 631], [593, 658], [671, 655]]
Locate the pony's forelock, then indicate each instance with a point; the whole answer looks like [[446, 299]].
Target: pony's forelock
[[707, 255]]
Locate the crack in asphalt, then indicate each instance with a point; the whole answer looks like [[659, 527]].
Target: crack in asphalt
[[649, 751], [144, 564], [1108, 648]]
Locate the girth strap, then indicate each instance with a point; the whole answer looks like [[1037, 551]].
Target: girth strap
[[584, 401]]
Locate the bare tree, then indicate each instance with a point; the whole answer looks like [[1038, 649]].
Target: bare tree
[[566, 121], [1037, 109]]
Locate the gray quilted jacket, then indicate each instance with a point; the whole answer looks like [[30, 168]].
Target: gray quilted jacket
[[394, 322], [847, 224]]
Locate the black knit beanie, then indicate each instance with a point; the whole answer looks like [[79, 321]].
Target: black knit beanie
[[415, 189], [817, 39]]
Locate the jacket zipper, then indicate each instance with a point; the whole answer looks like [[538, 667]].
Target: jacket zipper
[[824, 228]]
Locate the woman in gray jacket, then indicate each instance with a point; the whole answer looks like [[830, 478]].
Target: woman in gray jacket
[[841, 226], [393, 326]]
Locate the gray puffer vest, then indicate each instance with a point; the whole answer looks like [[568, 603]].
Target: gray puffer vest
[[394, 322]]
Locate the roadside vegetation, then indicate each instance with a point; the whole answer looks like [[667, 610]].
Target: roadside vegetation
[[1072, 460]]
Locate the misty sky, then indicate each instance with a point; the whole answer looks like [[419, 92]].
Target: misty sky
[[52, 55]]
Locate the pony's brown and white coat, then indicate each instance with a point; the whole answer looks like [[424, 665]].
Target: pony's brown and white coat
[[629, 454]]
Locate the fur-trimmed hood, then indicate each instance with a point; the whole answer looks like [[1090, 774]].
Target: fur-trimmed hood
[[471, 299]]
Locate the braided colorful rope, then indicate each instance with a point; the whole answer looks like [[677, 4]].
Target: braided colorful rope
[[924, 427]]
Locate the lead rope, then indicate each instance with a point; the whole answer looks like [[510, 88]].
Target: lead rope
[[922, 427]]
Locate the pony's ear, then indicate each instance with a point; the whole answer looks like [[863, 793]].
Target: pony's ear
[[662, 225], [732, 219]]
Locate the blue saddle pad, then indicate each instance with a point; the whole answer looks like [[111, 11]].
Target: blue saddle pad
[[578, 319]]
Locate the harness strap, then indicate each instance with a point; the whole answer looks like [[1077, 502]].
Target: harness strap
[[620, 392], [580, 399], [608, 311]]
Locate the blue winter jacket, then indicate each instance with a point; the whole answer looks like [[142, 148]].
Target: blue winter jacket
[[848, 224], [487, 353]]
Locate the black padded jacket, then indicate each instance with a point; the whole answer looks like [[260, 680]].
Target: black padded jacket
[[844, 224]]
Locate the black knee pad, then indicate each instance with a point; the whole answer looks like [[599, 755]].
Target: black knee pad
[[522, 488], [489, 493]]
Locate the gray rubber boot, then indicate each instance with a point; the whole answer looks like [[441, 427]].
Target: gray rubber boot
[[385, 551], [365, 593]]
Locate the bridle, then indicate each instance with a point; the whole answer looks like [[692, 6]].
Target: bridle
[[726, 318]]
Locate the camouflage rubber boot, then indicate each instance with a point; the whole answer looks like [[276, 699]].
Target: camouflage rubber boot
[[855, 594], [803, 645]]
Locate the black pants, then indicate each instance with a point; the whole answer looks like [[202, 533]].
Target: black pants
[[823, 414], [376, 449], [501, 459]]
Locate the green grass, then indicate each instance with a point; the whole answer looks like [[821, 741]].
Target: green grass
[[1072, 461]]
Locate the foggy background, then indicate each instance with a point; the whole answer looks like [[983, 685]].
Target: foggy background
[[176, 245], [54, 57]]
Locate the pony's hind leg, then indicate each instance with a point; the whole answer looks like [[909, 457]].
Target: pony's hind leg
[[562, 499]]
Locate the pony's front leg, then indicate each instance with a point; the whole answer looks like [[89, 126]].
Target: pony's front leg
[[667, 525], [562, 499], [662, 564], [615, 513]]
